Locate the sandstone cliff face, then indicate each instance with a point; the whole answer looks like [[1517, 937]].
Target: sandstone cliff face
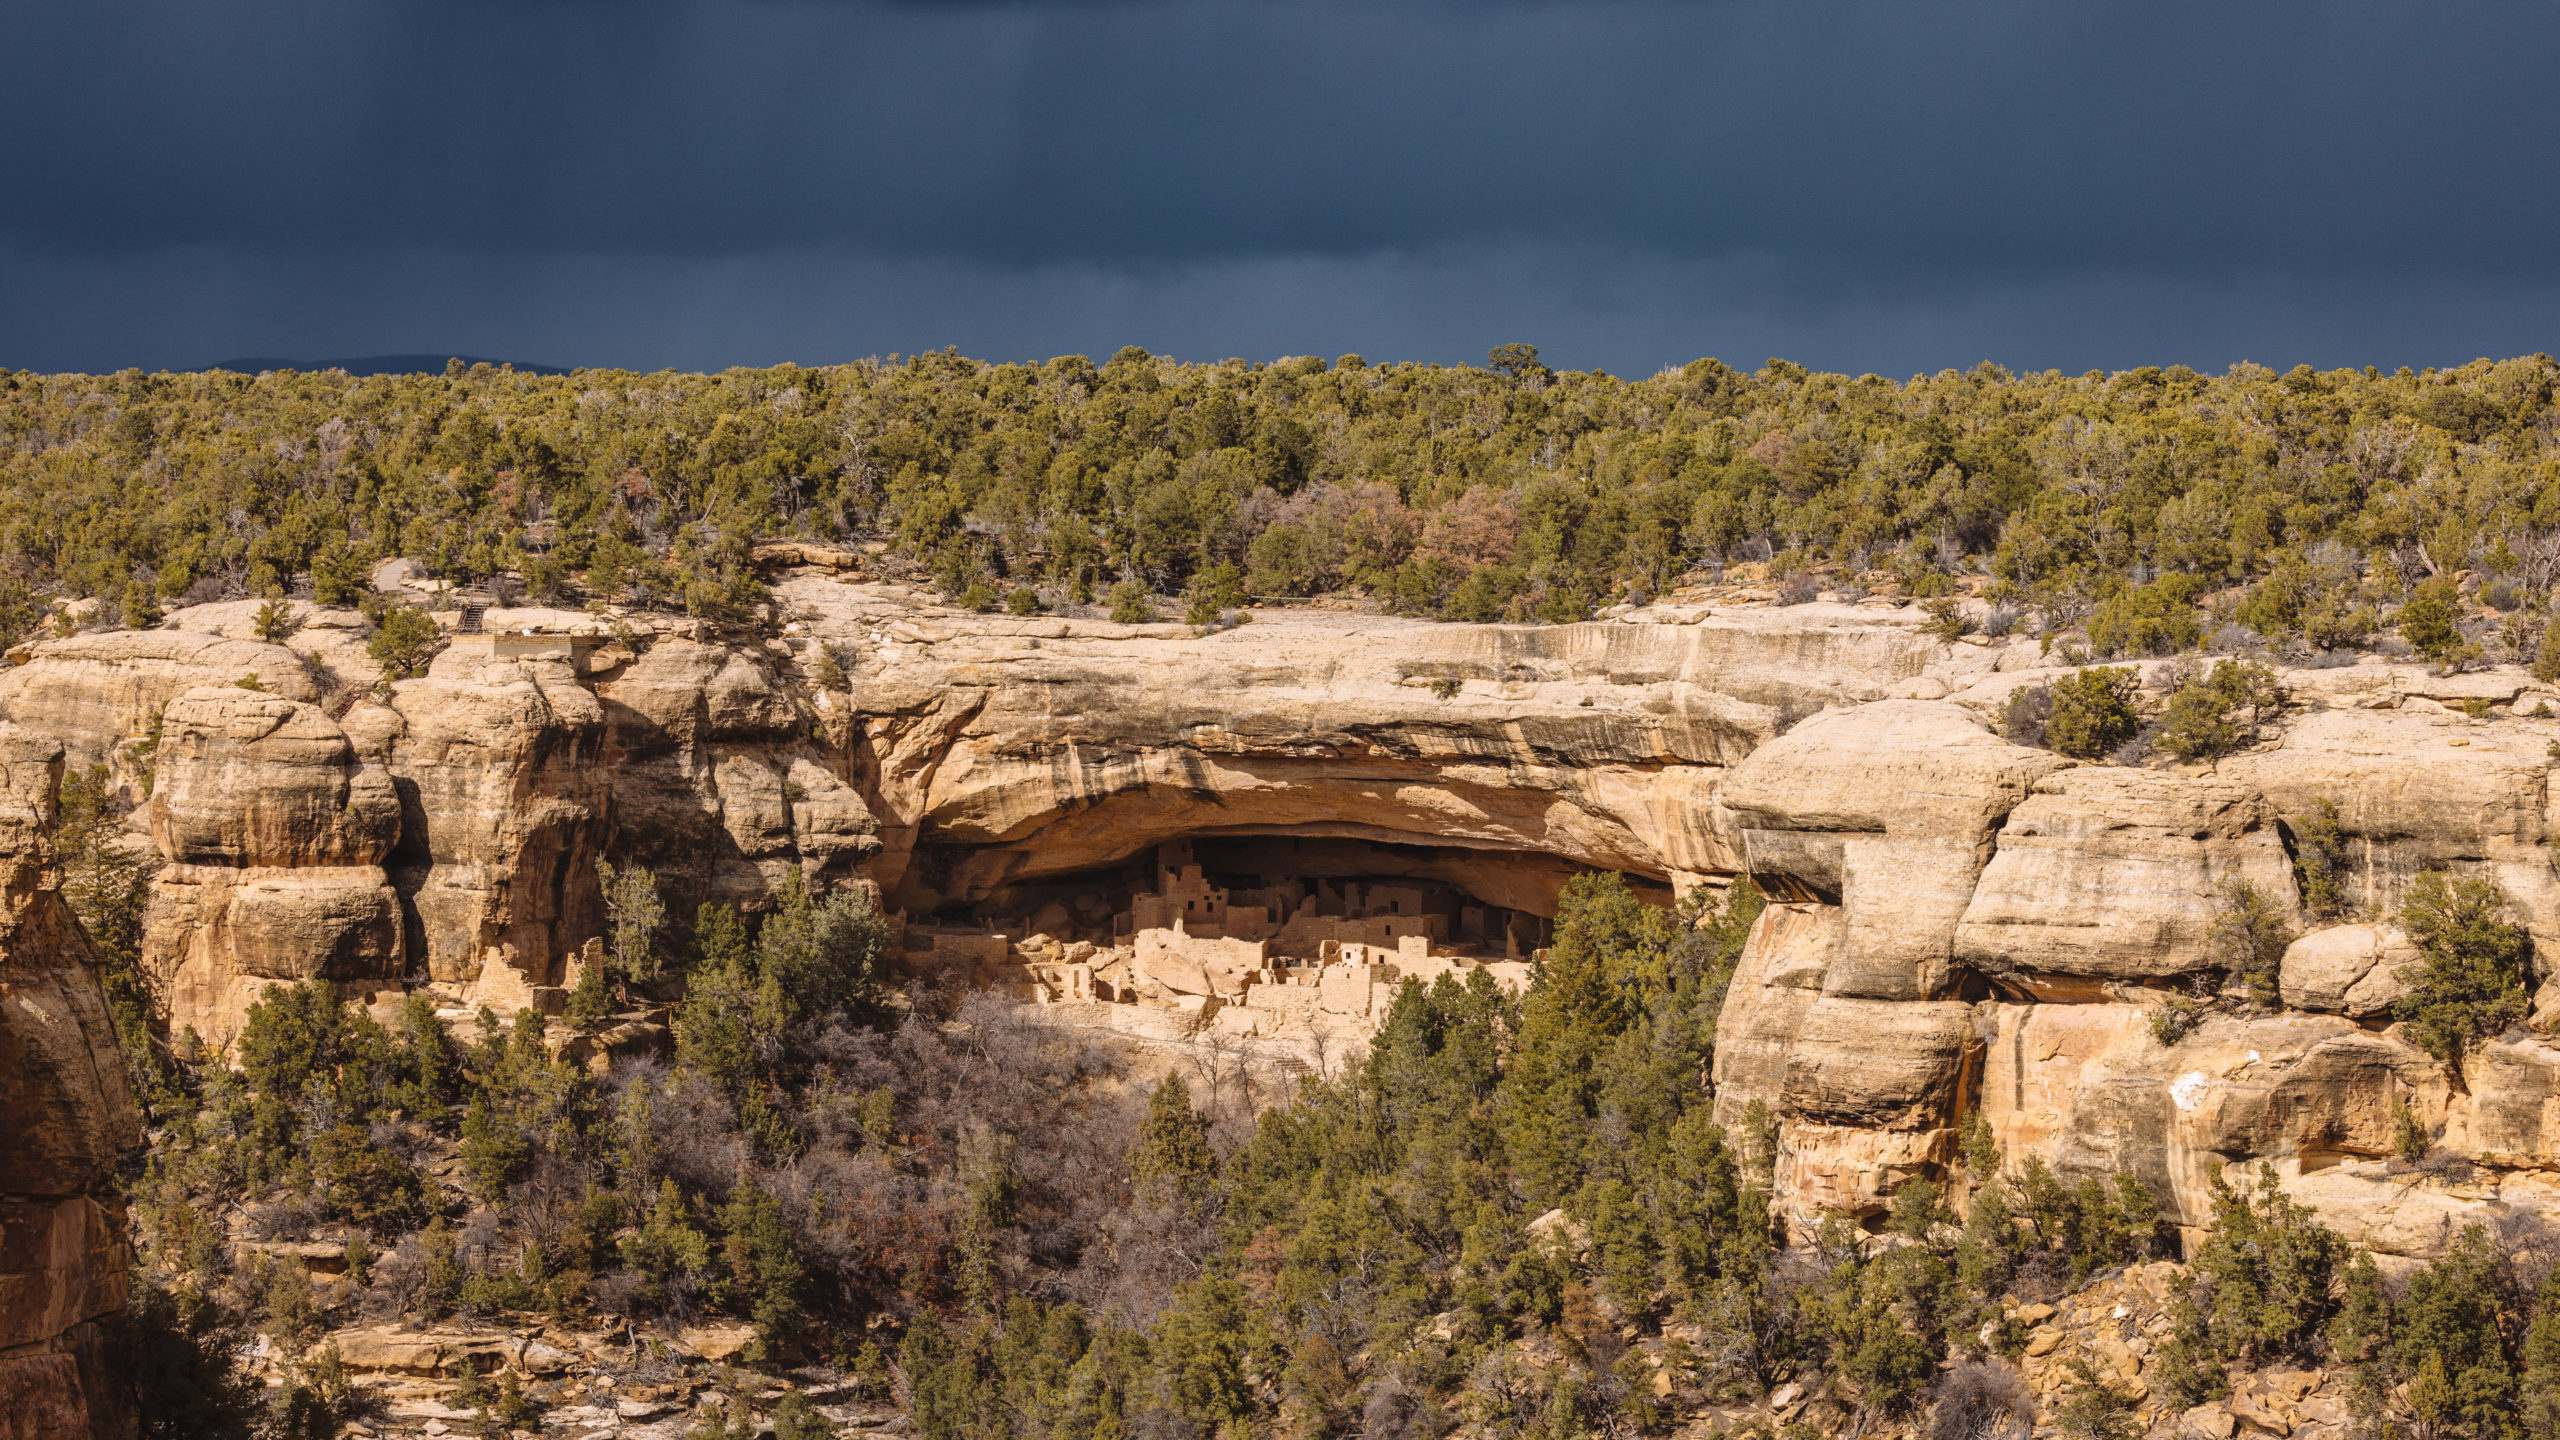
[[65, 1115], [2075, 898], [1886, 811], [98, 694], [275, 832], [499, 768], [1961, 921], [721, 779], [999, 752], [449, 829], [962, 756]]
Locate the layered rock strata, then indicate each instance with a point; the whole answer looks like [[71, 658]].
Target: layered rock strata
[[1960, 921], [2040, 914], [1001, 753], [274, 831], [953, 760]]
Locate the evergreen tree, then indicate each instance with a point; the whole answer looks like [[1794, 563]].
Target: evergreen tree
[[2468, 983], [2092, 713], [2430, 623], [1172, 1153]]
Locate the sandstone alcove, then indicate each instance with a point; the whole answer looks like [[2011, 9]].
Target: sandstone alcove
[[1501, 900], [1289, 940]]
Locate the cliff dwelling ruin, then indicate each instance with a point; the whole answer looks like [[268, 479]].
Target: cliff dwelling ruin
[[1292, 945]]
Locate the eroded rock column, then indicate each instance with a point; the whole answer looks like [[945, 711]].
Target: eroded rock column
[[275, 831]]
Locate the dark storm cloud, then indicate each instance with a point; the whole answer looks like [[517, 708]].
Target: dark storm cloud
[[1892, 161]]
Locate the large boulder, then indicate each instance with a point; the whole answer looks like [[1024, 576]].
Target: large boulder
[[2116, 873], [2090, 1088], [1887, 811], [720, 784], [2347, 969], [2419, 790], [246, 778], [2515, 1103], [1776, 980], [831, 826], [2406, 1213], [218, 937], [1878, 1064]]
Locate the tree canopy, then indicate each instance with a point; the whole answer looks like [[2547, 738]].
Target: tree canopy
[[1508, 491]]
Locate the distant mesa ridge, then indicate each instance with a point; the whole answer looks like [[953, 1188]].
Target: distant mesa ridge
[[381, 365]]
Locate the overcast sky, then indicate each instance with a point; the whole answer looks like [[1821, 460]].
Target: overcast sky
[[1894, 187]]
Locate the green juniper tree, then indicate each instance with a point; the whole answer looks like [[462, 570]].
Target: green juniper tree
[[2468, 983], [2092, 713]]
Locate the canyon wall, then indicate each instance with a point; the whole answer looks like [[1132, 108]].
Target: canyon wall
[[952, 759], [66, 1115], [1988, 925], [1959, 921]]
